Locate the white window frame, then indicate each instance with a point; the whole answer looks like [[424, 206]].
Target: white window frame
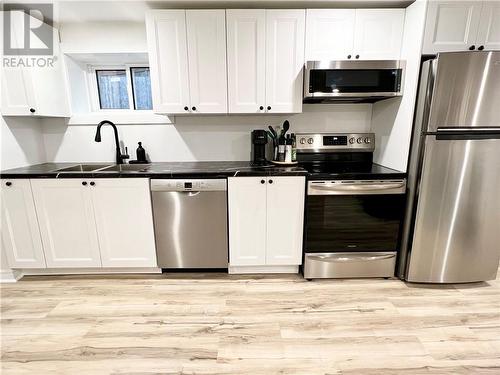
[[93, 91]]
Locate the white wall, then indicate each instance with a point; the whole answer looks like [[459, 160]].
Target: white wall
[[193, 138], [393, 118], [21, 142]]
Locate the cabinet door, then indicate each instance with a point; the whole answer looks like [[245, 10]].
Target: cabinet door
[[329, 34], [35, 91], [67, 224], [50, 85], [285, 220], [246, 62], [451, 26], [378, 34], [20, 233], [285, 33], [488, 34], [206, 38], [124, 221], [247, 221], [17, 87], [168, 60], [17, 92]]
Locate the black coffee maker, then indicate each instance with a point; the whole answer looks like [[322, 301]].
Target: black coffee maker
[[259, 141]]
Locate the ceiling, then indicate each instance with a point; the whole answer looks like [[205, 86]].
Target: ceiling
[[69, 11]]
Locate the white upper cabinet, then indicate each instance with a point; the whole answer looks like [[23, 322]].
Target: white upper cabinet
[[265, 58], [488, 34], [452, 26], [187, 57], [329, 34], [461, 26], [34, 91], [246, 59], [20, 234], [67, 224], [168, 60], [343, 34], [378, 34], [124, 221], [206, 40], [284, 60]]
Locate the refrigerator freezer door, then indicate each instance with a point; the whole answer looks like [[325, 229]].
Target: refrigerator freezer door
[[466, 90], [457, 228]]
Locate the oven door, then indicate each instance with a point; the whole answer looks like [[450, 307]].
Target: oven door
[[354, 216]]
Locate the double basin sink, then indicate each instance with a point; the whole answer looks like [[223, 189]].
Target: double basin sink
[[103, 168]]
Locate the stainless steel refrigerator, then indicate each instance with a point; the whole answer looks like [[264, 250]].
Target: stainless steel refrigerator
[[452, 225]]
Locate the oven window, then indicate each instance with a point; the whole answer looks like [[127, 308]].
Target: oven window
[[354, 223], [352, 81]]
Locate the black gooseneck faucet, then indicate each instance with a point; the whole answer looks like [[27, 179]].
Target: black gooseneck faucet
[[119, 156]]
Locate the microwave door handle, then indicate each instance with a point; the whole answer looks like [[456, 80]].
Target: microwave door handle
[[359, 188]]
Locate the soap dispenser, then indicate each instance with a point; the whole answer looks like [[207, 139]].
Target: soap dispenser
[[141, 155]]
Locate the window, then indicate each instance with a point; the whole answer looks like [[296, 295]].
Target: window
[[121, 88], [141, 88]]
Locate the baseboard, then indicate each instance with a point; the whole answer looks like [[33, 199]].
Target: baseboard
[[10, 276], [262, 269], [87, 271]]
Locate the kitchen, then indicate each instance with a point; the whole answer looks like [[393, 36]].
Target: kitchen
[[355, 200]]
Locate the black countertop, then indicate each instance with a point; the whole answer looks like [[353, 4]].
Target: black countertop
[[203, 169]]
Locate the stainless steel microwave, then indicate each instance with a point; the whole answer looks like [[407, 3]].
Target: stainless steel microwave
[[353, 81]]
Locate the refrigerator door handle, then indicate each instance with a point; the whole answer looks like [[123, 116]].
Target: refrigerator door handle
[[472, 129], [472, 133]]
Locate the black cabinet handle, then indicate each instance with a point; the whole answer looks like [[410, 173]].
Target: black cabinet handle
[[262, 181], [84, 183], [261, 107], [92, 183], [348, 56], [8, 183], [186, 108], [270, 181], [480, 48], [32, 110], [194, 108], [472, 48], [268, 107], [357, 56]]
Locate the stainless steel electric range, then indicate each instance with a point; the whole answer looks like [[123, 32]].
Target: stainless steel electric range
[[354, 208]]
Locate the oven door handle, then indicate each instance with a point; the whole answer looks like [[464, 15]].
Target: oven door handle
[[350, 258], [351, 189]]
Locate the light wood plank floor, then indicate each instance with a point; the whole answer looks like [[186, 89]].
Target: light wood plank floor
[[220, 324]]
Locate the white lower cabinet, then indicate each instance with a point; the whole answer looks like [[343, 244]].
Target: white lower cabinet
[[88, 223], [20, 235], [266, 216], [285, 220], [67, 224], [124, 219]]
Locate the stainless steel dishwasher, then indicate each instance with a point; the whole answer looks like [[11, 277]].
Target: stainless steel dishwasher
[[190, 218]]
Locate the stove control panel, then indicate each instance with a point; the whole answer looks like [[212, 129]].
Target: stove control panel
[[321, 142]]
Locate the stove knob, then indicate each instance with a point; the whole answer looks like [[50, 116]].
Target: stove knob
[[359, 140], [368, 140], [310, 141], [302, 141], [352, 140]]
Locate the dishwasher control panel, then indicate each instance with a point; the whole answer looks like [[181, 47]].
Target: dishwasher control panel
[[188, 185]]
